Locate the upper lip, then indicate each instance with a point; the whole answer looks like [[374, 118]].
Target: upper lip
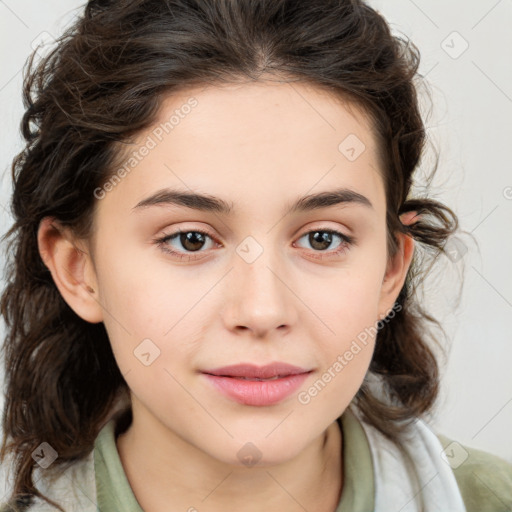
[[278, 369]]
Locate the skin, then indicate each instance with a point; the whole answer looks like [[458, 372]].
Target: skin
[[259, 147]]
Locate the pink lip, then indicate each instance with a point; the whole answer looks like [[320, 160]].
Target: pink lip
[[230, 381], [260, 372]]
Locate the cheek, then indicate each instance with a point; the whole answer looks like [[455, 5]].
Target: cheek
[[348, 301], [150, 307], [133, 306], [345, 326]]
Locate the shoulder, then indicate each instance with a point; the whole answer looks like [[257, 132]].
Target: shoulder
[[484, 479], [18, 506], [71, 485]]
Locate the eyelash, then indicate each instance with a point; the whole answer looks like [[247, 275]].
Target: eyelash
[[347, 242]]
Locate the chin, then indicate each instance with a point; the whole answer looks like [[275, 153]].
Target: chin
[[260, 453]]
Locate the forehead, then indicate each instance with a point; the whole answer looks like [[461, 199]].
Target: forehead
[[241, 140], [256, 112]]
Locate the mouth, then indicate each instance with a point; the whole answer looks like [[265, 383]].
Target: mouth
[[251, 372], [251, 378], [248, 384]]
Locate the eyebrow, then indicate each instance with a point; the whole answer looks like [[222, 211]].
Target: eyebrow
[[207, 203]]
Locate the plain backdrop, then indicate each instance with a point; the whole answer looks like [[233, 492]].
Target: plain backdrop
[[466, 59]]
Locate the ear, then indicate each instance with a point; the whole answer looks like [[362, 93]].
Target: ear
[[396, 273], [71, 267]]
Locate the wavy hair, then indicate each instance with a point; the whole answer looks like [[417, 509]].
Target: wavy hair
[[101, 84]]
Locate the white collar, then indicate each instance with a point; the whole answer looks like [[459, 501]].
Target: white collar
[[395, 490]]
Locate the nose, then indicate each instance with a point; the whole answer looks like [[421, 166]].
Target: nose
[[259, 297]]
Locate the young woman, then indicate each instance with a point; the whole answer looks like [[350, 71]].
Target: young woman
[[210, 299]]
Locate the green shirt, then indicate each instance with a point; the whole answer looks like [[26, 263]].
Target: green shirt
[[485, 480]]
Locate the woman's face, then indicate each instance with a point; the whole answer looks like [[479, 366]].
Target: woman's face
[[268, 282]]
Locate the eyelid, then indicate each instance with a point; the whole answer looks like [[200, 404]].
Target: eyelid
[[169, 232], [214, 237], [347, 241]]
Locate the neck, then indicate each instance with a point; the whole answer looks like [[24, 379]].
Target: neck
[[158, 477]]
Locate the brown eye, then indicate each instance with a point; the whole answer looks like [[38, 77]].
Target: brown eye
[[191, 240], [322, 239], [185, 243]]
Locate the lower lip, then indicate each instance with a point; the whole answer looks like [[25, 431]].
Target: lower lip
[[259, 393]]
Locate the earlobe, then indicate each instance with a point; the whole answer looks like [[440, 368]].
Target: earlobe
[[71, 268]]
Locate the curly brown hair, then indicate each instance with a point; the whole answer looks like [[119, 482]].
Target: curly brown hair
[[103, 83]]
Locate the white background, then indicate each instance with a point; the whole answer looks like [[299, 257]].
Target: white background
[[470, 126]]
